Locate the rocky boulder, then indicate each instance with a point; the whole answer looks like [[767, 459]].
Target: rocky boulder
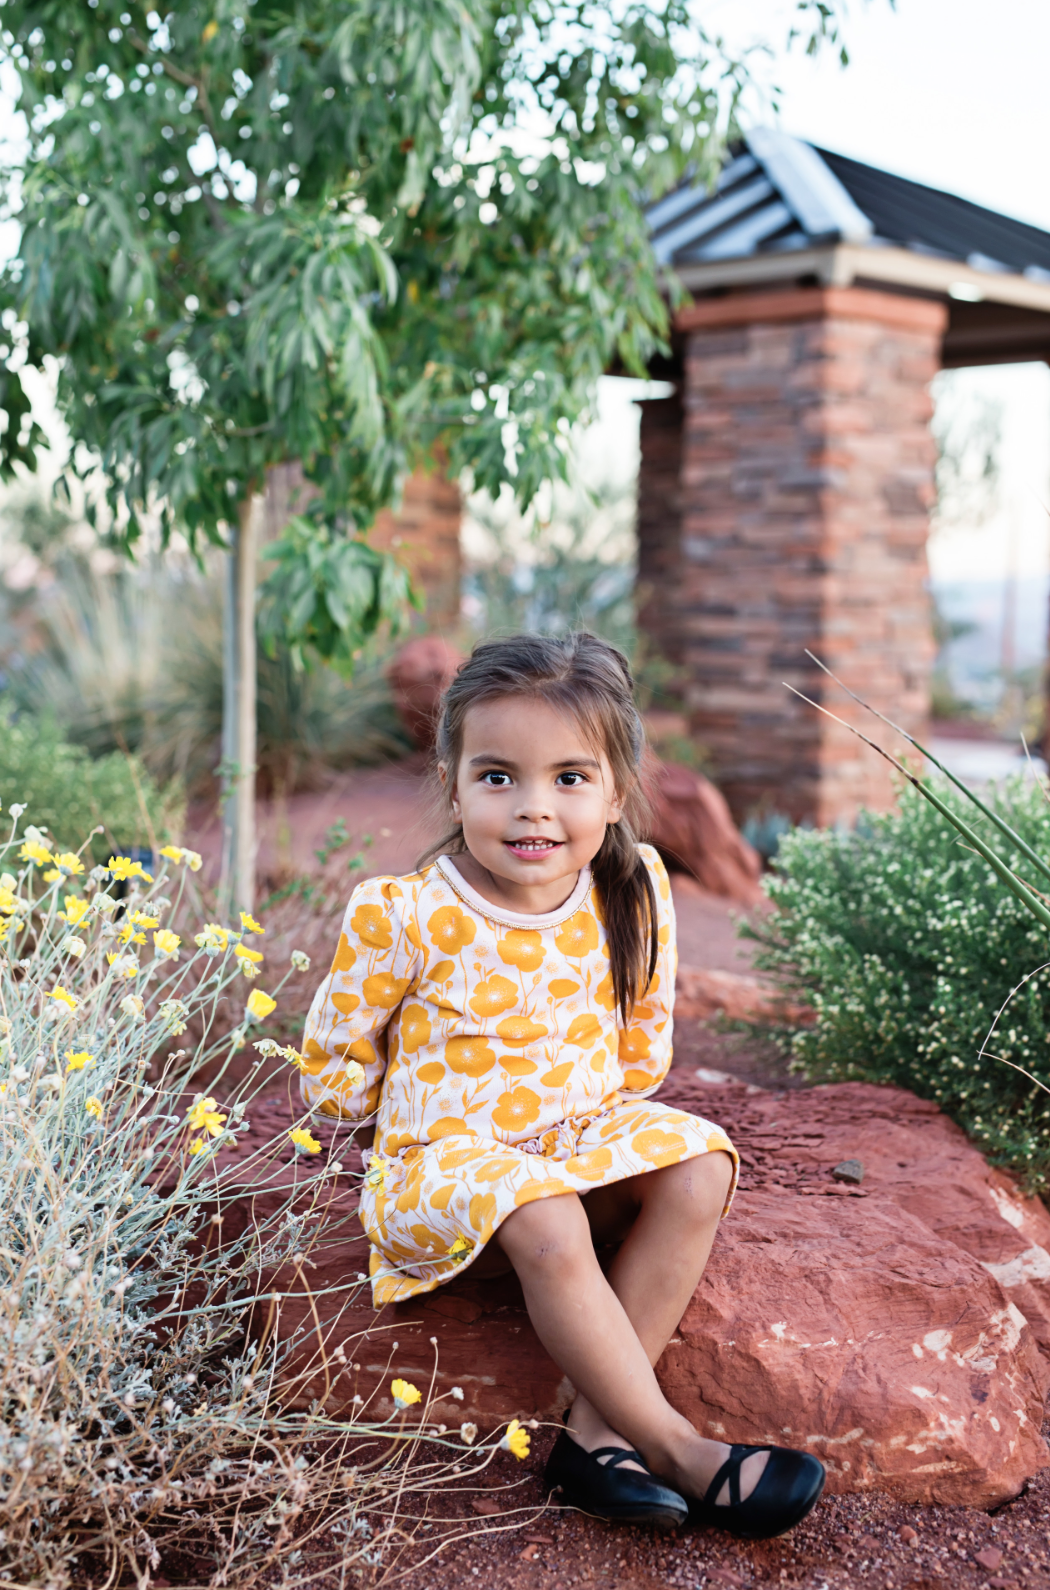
[[419, 673], [891, 1327], [694, 832]]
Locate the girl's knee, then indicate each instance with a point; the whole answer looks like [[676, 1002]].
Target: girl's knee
[[547, 1235], [695, 1189]]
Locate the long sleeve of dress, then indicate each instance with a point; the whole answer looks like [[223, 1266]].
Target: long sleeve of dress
[[378, 961], [645, 1043]]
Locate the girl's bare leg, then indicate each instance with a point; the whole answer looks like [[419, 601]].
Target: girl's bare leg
[[607, 1334]]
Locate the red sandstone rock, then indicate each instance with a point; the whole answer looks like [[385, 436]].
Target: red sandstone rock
[[700, 993], [694, 832], [419, 674], [871, 1327]]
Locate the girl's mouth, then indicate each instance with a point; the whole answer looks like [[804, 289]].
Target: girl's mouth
[[532, 849]]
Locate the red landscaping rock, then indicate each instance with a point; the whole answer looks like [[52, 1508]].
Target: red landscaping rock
[[702, 992], [882, 1326], [419, 674], [695, 833]]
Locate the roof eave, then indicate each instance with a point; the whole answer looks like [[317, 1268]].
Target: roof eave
[[843, 264]]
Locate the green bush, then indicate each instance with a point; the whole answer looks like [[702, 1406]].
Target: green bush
[[906, 945], [68, 794]]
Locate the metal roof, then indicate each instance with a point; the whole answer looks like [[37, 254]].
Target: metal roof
[[778, 195]]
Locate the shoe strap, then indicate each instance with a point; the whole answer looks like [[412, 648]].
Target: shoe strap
[[618, 1455], [730, 1471]]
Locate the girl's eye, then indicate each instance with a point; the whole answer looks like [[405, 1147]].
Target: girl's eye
[[570, 780], [495, 780]]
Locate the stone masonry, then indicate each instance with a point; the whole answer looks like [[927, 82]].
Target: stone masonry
[[784, 505]]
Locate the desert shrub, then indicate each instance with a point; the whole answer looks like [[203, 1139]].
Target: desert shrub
[[906, 945], [69, 794], [132, 660], [141, 1419]]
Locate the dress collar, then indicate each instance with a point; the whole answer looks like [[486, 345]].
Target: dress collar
[[452, 875]]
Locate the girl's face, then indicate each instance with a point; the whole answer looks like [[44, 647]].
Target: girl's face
[[533, 795]]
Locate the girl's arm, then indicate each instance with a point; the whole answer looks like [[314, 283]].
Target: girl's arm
[[376, 964], [645, 1043]]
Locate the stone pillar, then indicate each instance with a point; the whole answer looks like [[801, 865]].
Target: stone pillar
[[425, 535], [800, 522]]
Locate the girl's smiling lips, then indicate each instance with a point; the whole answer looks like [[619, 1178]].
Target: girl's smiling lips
[[530, 849]]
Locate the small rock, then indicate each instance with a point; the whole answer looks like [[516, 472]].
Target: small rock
[[485, 1504], [989, 1557], [850, 1170], [529, 1553], [908, 1535]]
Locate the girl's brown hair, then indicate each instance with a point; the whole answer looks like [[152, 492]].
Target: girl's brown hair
[[590, 680]]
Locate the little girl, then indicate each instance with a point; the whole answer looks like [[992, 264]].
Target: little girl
[[504, 1014]]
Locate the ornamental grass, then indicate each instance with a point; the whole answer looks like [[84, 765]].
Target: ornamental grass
[[148, 1421]]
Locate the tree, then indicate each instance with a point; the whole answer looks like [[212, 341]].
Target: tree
[[351, 232]]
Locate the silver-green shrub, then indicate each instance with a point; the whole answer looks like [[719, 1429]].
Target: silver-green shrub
[[906, 945], [141, 1397]]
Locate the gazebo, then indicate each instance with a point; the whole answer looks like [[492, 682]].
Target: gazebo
[[786, 484]]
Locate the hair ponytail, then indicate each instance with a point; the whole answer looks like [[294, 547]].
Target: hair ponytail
[[629, 907], [590, 680]]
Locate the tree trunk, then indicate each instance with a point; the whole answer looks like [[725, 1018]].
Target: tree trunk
[[238, 717]]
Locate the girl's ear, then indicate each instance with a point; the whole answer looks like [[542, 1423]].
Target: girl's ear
[[443, 775], [615, 811]]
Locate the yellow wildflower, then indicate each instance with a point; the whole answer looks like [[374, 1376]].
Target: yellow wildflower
[[291, 1054], [259, 1005], [9, 901], [304, 1143], [73, 946], [132, 1005], [404, 1393], [34, 851], [174, 1012], [516, 1440], [94, 1107], [63, 997], [355, 1073], [124, 868], [212, 939], [192, 859], [64, 865], [205, 1116], [249, 924], [75, 912], [77, 1061], [172, 852], [378, 1171], [197, 1146], [460, 1248], [123, 965], [128, 935], [166, 945], [250, 960], [143, 919]]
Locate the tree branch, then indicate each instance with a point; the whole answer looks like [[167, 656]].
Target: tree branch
[[187, 79]]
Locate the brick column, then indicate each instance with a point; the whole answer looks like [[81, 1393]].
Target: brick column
[[425, 535], [805, 487]]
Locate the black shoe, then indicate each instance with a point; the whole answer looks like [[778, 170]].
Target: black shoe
[[788, 1489], [623, 1496]]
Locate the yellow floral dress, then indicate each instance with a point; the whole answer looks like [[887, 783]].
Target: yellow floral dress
[[493, 1051]]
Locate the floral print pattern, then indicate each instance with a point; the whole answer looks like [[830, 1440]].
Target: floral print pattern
[[494, 1062]]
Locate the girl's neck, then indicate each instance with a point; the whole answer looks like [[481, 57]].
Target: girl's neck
[[522, 899]]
